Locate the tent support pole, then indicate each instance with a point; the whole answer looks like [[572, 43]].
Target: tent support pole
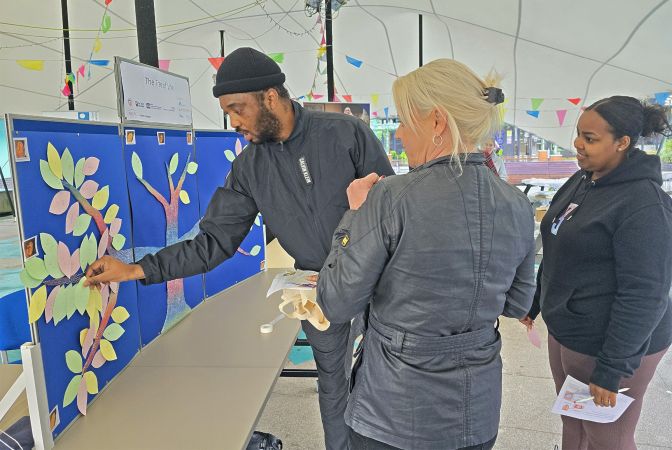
[[330, 51]]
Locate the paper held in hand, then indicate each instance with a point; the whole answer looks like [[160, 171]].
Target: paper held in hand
[[573, 390], [292, 279]]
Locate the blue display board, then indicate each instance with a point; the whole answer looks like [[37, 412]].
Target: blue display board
[[73, 205], [162, 172], [215, 151]]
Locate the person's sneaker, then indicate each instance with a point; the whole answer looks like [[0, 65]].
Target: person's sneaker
[[264, 441]]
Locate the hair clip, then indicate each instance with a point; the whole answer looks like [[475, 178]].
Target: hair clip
[[494, 95]]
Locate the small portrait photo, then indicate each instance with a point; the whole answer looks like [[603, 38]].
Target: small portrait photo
[[21, 149], [189, 138], [54, 418], [130, 137], [161, 137], [30, 247]]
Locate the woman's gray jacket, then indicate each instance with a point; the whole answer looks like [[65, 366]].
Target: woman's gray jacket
[[439, 256]]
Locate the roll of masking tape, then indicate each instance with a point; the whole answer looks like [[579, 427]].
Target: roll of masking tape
[[268, 327]]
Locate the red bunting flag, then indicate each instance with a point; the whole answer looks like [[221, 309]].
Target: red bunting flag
[[347, 98], [66, 90], [216, 62], [107, 2], [317, 96], [575, 101]]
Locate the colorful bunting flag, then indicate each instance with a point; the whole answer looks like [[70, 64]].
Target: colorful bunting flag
[[321, 51], [97, 45], [99, 62], [107, 23], [374, 98], [533, 113], [661, 97], [80, 71], [216, 62], [66, 90], [387, 112], [107, 2], [164, 64], [347, 98], [574, 101], [317, 96], [31, 64], [536, 103], [355, 62], [277, 57], [561, 113]]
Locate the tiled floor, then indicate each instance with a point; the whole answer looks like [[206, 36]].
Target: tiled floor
[[526, 422]]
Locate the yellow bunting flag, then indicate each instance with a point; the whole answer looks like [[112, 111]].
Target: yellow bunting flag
[[321, 51], [31, 64], [97, 45], [374, 98]]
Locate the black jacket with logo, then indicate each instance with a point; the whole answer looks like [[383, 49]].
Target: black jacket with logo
[[299, 186], [603, 287]]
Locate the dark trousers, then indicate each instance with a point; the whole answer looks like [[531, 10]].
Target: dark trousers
[[329, 348], [583, 435], [359, 442]]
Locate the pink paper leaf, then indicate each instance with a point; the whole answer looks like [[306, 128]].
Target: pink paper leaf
[[89, 189], [82, 396], [534, 338], [64, 260], [98, 360], [60, 202], [88, 341], [71, 218], [104, 296], [91, 166], [115, 227], [74, 264], [49, 309], [239, 147], [114, 286], [102, 245]]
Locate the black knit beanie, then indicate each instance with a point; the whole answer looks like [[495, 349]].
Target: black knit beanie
[[246, 70]]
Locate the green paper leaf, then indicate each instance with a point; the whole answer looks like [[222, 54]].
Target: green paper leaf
[[91, 382], [29, 281], [257, 220], [136, 164], [54, 161], [36, 268], [68, 166], [118, 241], [51, 264], [81, 296], [48, 243], [192, 167], [107, 350], [71, 390], [49, 177], [255, 250], [113, 332], [79, 172], [277, 57], [184, 196], [100, 199], [229, 155], [60, 305], [120, 314], [70, 301], [174, 161], [81, 224], [111, 213], [88, 252], [107, 23], [74, 361], [38, 301]]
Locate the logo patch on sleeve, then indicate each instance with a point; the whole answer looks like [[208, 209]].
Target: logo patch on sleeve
[[345, 240]]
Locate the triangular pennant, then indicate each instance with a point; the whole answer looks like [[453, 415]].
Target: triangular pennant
[[216, 62], [97, 45], [164, 64], [70, 78], [347, 98], [574, 101], [323, 42], [80, 71], [301, 98], [66, 90], [561, 113], [336, 99], [107, 23], [533, 113], [317, 96], [386, 110], [536, 103], [661, 97], [107, 2], [99, 62], [374, 98], [321, 51], [277, 57], [310, 95], [31, 64], [374, 114], [355, 62]]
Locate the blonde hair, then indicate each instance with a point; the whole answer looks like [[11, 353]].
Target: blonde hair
[[456, 92]]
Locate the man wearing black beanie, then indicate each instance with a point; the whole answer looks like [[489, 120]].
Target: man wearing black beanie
[[295, 171]]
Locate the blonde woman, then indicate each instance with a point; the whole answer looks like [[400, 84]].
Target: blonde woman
[[438, 254]]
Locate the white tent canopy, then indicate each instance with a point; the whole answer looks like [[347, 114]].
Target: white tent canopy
[[544, 50]]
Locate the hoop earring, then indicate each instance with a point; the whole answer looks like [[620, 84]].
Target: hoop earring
[[440, 140]]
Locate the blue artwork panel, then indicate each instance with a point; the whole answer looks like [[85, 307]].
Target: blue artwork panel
[[164, 200], [215, 151], [73, 204]]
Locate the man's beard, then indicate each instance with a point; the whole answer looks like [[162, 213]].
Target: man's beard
[[267, 126]]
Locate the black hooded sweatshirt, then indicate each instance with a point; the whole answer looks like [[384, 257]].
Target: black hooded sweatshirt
[[603, 286]]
